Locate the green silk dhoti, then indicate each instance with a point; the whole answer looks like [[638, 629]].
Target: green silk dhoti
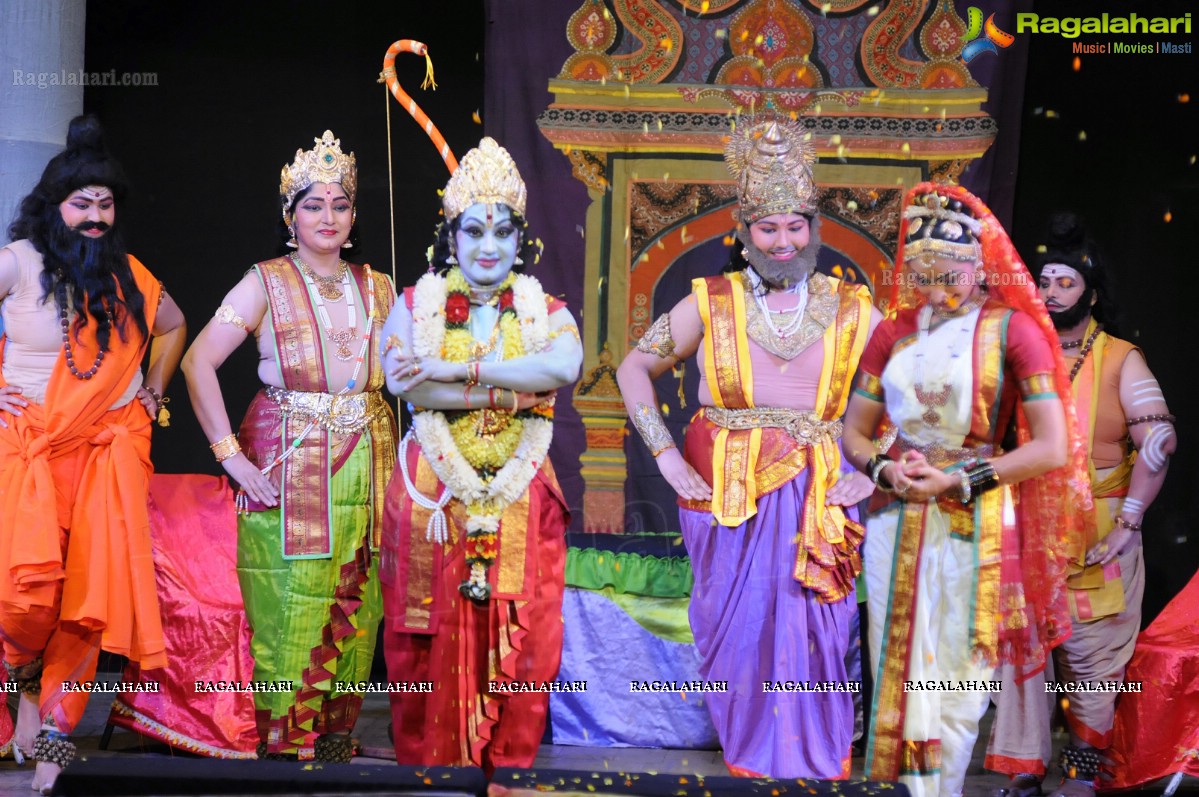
[[314, 620]]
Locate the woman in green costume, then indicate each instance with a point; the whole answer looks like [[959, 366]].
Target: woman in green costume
[[312, 458]]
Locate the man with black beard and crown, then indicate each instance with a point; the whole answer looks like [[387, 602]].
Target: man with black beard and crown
[[75, 413], [767, 517], [1130, 437]]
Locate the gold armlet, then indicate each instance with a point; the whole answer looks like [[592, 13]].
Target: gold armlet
[[226, 314], [652, 428], [566, 329], [657, 339]]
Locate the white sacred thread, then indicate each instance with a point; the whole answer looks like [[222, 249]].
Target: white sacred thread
[[437, 530]]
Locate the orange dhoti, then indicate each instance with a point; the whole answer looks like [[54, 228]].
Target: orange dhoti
[[81, 566], [76, 567]]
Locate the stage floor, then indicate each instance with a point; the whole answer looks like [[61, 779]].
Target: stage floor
[[372, 733]]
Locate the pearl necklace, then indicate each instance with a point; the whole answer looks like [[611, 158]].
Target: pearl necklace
[[339, 337], [797, 313]]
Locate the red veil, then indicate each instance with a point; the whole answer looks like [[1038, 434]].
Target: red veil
[[1050, 509]]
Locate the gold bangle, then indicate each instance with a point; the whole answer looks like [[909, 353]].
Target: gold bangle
[[515, 402], [226, 447]]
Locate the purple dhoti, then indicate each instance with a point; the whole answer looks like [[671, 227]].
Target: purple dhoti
[[766, 635], [774, 563]]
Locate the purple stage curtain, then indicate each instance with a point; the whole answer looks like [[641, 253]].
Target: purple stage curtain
[[525, 46]]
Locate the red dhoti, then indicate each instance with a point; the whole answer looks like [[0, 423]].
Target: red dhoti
[[435, 638]]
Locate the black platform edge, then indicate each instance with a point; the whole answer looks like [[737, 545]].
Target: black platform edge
[[177, 776], [639, 783]]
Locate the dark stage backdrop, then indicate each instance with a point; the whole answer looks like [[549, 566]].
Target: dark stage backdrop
[[1116, 141]]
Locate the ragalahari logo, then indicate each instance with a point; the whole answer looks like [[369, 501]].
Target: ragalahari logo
[[994, 41]]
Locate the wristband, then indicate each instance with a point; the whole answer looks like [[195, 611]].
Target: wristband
[[1120, 521], [226, 447], [875, 466], [964, 495], [982, 478]]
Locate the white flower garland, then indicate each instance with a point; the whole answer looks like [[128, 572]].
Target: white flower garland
[[485, 501], [529, 302]]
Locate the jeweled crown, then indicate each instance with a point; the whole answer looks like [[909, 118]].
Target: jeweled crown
[[773, 166], [324, 163], [940, 226], [487, 175]]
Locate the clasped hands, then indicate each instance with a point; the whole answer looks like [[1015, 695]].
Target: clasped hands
[[419, 369], [915, 479]]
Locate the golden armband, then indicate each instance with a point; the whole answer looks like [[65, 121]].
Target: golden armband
[[657, 339]]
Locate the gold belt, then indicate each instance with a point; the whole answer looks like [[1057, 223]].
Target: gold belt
[[940, 455], [803, 425], [343, 414]]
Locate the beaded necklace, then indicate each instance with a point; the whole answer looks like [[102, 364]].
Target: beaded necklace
[[64, 320], [1086, 349], [70, 355]]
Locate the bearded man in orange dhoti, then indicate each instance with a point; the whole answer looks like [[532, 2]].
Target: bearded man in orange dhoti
[[75, 410]]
